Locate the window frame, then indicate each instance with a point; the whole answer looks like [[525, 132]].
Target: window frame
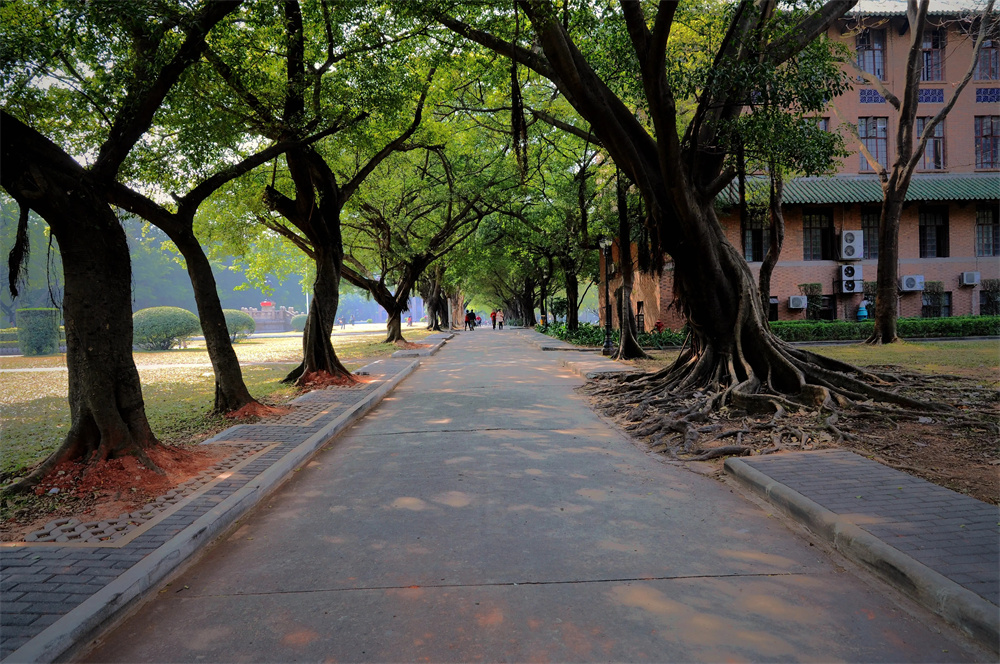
[[756, 229], [938, 214], [879, 143], [869, 231], [931, 310], [933, 55], [990, 140], [987, 231], [936, 140], [865, 45], [817, 236], [990, 54]]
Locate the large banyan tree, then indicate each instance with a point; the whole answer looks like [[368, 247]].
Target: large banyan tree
[[674, 143], [105, 397]]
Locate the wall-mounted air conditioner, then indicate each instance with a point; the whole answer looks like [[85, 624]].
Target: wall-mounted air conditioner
[[852, 245], [850, 286], [911, 282], [798, 302], [850, 272], [968, 279]]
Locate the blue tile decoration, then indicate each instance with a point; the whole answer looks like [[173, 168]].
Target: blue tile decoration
[[988, 95], [931, 96], [869, 96]]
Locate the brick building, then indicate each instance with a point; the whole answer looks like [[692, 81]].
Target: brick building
[[949, 237]]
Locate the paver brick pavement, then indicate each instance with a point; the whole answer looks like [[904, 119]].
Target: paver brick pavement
[[42, 582]]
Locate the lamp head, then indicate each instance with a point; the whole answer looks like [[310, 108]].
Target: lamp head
[[604, 242]]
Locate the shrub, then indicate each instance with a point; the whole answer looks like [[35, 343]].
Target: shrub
[[160, 328], [369, 320], [803, 330], [240, 324], [38, 331], [298, 322], [912, 328]]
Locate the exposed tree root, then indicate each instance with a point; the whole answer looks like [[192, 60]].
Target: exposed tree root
[[695, 407]]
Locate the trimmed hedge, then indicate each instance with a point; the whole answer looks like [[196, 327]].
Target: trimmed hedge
[[38, 331], [907, 328], [298, 322], [803, 330], [240, 324], [589, 334], [160, 328]]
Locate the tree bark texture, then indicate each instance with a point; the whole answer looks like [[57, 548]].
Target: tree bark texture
[[776, 232], [887, 296], [318, 355], [572, 285], [231, 392]]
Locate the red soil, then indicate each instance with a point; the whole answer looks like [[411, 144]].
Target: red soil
[[409, 345], [320, 379], [127, 478], [255, 409]]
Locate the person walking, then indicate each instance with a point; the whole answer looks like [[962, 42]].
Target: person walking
[[500, 319], [493, 317]]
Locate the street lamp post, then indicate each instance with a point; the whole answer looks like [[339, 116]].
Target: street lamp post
[[606, 247]]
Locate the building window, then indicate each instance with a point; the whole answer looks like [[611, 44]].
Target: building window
[[817, 235], [872, 132], [933, 50], [988, 65], [936, 305], [772, 309], [869, 229], [989, 303], [987, 231], [934, 232], [933, 157], [756, 234], [823, 124], [870, 45], [987, 141]]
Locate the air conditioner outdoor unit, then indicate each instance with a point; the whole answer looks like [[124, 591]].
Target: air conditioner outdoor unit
[[911, 282], [852, 245], [851, 286], [850, 272], [968, 279], [798, 302]]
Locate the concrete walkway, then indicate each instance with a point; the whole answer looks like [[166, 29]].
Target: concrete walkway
[[484, 512]]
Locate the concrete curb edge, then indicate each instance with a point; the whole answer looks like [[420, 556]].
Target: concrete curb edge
[[974, 615], [425, 352], [81, 624]]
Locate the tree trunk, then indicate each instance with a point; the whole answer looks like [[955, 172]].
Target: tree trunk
[[572, 300], [886, 299], [394, 327], [317, 350], [628, 345], [108, 417], [776, 230], [231, 392]]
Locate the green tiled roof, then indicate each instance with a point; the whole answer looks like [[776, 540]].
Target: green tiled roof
[[866, 189]]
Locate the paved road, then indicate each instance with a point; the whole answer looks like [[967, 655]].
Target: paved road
[[483, 512]]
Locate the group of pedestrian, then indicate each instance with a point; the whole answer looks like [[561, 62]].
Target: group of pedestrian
[[472, 321]]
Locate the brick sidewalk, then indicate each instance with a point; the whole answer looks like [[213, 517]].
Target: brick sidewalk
[[953, 534], [940, 547], [40, 582]]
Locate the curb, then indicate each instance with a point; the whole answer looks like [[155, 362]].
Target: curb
[[424, 352], [82, 623], [961, 607]]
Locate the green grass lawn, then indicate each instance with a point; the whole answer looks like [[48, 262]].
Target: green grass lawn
[[978, 359], [177, 385]]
